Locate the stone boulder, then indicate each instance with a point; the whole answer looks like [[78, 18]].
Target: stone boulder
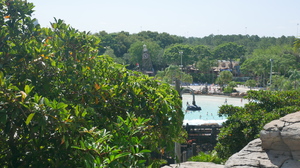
[[278, 146]]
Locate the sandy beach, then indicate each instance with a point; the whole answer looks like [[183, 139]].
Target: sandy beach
[[214, 88]]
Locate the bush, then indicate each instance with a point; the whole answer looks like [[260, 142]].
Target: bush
[[228, 89], [63, 105], [243, 124], [207, 157]]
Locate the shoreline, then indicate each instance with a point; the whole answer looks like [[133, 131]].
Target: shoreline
[[214, 95], [239, 88], [241, 91]]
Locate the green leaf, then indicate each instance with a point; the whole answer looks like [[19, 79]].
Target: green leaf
[[61, 105], [122, 155], [13, 87], [145, 151], [29, 118], [47, 102], [112, 157], [28, 89], [53, 63], [75, 147], [37, 98], [82, 144], [3, 117], [76, 110]]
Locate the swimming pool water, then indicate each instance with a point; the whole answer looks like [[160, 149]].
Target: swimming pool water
[[210, 107]]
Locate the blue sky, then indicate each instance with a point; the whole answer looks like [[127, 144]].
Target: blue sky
[[190, 18]]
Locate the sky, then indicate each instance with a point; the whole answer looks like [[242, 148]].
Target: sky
[[189, 18]]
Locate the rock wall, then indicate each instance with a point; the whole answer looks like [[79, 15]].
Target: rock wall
[[277, 147]]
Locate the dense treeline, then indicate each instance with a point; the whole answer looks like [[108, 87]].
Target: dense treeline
[[252, 52], [120, 42]]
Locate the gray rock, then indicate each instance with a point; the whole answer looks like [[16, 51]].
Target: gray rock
[[278, 146], [291, 137], [271, 136], [291, 164], [248, 157], [291, 118]]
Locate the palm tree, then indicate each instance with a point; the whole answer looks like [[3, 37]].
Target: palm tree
[[294, 77]]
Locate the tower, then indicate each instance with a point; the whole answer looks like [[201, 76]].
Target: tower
[[147, 67]]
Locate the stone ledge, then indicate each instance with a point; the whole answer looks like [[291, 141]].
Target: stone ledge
[[278, 146]]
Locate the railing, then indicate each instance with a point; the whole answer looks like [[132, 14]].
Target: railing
[[199, 135]]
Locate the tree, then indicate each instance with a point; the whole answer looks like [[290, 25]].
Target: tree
[[232, 85], [63, 105], [224, 78], [258, 64], [279, 82], [243, 124], [296, 46], [204, 64], [202, 52], [165, 39], [118, 42], [110, 52], [173, 56], [250, 83], [136, 51], [294, 77], [173, 72], [229, 51]]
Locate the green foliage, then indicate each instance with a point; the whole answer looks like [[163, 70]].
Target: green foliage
[[163, 39], [202, 52], [136, 50], [228, 89], [296, 46], [294, 77], [109, 146], [250, 83], [173, 72], [62, 105], [118, 42], [203, 77], [244, 123], [258, 64], [252, 52], [224, 78], [207, 157], [229, 51], [172, 55], [232, 84]]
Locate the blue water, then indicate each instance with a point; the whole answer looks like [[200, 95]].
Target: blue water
[[210, 107]]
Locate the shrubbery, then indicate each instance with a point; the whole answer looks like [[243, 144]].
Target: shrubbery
[[207, 157], [62, 105], [244, 123]]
